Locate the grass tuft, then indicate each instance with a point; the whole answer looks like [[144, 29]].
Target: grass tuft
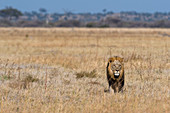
[[29, 79], [82, 74], [5, 77]]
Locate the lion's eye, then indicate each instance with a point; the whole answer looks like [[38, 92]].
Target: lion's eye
[[114, 67], [120, 67]]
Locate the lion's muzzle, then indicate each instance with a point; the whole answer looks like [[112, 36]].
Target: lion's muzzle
[[116, 74]]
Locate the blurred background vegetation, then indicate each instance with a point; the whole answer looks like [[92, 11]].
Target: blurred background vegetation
[[11, 17]]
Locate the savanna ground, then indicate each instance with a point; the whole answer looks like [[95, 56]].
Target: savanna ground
[[63, 70]]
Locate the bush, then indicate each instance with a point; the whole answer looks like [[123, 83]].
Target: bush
[[68, 23], [91, 24]]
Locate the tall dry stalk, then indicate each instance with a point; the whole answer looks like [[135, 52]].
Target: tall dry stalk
[[166, 52], [97, 45], [19, 73], [150, 64], [5, 67], [110, 52], [46, 78], [2, 105]]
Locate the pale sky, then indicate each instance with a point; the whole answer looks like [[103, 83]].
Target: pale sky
[[92, 6]]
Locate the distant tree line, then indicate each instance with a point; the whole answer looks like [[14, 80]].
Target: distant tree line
[[11, 17]]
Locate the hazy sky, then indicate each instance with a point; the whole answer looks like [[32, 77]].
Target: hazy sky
[[89, 5]]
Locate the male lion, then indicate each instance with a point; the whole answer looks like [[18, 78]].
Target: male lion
[[115, 74]]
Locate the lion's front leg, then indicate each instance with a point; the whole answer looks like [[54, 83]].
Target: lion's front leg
[[108, 89]]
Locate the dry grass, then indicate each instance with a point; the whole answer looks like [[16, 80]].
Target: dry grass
[[63, 70]]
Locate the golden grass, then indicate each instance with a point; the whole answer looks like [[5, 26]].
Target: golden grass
[[39, 69]]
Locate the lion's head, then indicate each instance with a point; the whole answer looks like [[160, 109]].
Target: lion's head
[[115, 67]]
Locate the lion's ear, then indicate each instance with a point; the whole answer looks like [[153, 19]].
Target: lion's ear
[[121, 58], [110, 60]]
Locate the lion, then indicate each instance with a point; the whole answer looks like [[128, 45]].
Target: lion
[[115, 74]]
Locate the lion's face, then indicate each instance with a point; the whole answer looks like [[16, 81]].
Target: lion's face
[[116, 67]]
